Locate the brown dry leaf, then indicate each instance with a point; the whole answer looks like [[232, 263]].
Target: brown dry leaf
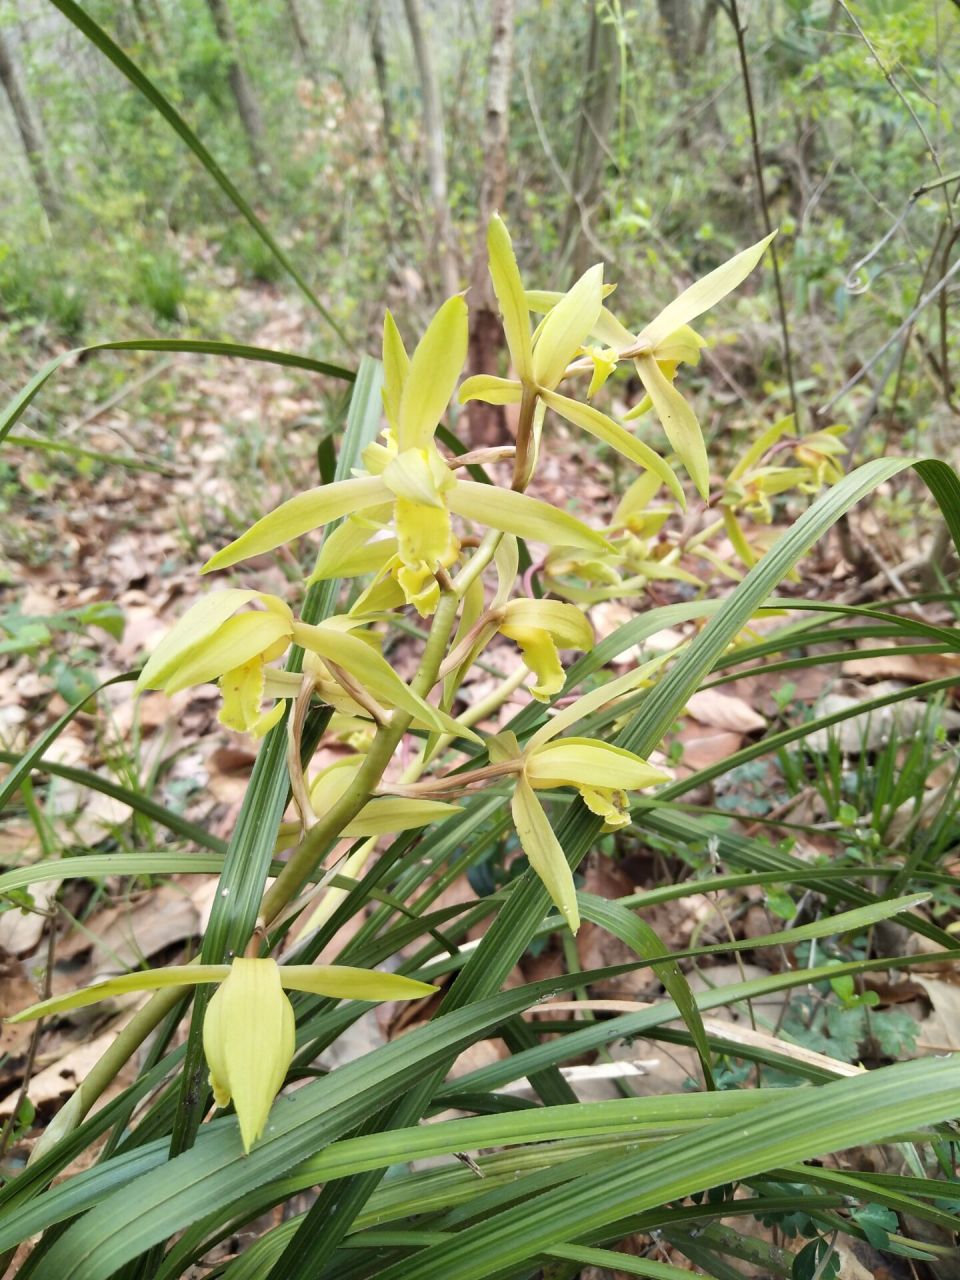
[[21, 931], [16, 992], [904, 666], [940, 1031], [703, 748], [725, 711], [58, 1079], [125, 935]]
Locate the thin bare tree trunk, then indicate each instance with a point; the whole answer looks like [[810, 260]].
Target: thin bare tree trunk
[[378, 51], [488, 421], [601, 79], [29, 128], [300, 35], [240, 86], [435, 147]]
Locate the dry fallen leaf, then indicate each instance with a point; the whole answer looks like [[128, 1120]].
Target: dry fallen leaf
[[725, 711]]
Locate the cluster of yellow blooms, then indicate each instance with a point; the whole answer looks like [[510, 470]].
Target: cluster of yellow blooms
[[401, 525]]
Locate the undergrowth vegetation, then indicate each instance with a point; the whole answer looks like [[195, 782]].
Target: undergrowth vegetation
[[480, 886]]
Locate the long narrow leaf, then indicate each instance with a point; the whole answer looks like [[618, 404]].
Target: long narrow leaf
[[15, 409]]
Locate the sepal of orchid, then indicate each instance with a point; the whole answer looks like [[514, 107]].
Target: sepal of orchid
[[519, 514], [249, 1039], [703, 294], [508, 287], [598, 424], [579, 762], [432, 376], [634, 511], [379, 816], [678, 420], [331, 643], [544, 852], [302, 514]]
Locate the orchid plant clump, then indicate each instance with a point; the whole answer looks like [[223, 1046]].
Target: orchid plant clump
[[421, 535]]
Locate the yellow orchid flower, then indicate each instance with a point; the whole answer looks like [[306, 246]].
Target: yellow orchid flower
[[666, 341], [213, 641], [756, 479], [410, 486], [248, 1029], [541, 628], [541, 361], [600, 772]]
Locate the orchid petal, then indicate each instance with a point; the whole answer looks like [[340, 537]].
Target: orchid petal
[[238, 640], [204, 617], [358, 546], [491, 390], [567, 327], [396, 367]]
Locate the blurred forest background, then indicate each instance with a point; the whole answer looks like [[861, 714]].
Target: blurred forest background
[[374, 135]]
